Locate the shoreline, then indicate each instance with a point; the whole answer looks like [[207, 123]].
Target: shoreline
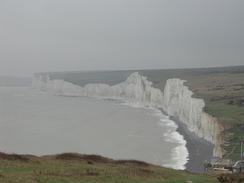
[[198, 148], [194, 144]]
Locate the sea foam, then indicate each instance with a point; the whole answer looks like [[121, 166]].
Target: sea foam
[[180, 153]]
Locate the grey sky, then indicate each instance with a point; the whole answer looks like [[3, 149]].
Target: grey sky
[[56, 35]]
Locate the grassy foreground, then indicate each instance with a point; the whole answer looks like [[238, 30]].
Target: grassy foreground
[[76, 168]]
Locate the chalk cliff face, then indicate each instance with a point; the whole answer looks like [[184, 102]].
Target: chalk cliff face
[[176, 100], [136, 89]]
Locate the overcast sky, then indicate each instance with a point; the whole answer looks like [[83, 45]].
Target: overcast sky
[[57, 35]]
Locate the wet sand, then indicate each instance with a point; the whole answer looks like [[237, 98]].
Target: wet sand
[[199, 149]]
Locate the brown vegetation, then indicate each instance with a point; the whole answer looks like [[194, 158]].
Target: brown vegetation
[[231, 178]]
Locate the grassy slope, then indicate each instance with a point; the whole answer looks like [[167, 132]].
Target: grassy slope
[[74, 168]]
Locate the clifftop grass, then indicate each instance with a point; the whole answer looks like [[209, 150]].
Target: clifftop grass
[[76, 168]]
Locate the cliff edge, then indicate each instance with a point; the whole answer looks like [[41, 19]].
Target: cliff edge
[[176, 100]]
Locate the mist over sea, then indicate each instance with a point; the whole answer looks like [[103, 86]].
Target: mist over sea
[[33, 122]]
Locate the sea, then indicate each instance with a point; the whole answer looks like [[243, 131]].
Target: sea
[[38, 123]]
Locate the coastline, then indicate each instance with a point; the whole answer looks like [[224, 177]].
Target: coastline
[[198, 148]]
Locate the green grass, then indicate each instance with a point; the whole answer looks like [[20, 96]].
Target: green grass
[[231, 116], [233, 149], [228, 114], [71, 171]]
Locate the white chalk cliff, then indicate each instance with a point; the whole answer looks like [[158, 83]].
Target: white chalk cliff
[[136, 89], [176, 100]]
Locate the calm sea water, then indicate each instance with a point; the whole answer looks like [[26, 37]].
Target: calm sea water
[[37, 123]]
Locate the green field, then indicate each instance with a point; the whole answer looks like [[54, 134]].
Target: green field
[[75, 168]]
